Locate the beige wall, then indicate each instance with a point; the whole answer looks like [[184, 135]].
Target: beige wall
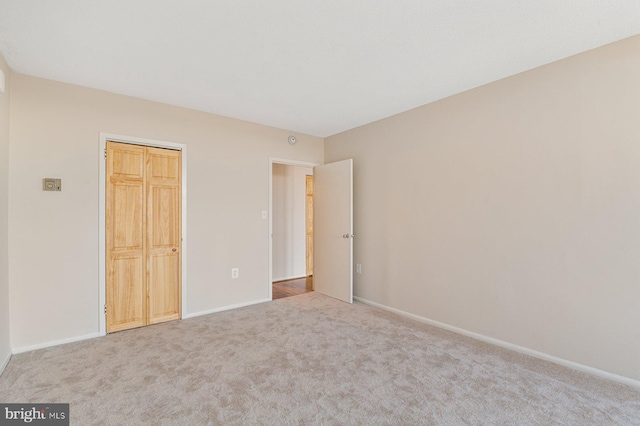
[[54, 236], [5, 348], [512, 210]]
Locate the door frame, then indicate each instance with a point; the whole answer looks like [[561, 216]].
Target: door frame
[[102, 209], [272, 161]]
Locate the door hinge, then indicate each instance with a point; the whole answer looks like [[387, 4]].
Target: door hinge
[[105, 310], [105, 153]]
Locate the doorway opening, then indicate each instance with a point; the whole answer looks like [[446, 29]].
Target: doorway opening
[[332, 228], [291, 228]]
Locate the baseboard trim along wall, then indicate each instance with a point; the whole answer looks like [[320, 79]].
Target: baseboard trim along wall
[[54, 343], [224, 308], [521, 349], [98, 334], [5, 362]]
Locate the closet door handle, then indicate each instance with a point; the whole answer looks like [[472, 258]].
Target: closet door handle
[[174, 250]]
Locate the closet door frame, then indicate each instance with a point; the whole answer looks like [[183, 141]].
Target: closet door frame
[[104, 137]]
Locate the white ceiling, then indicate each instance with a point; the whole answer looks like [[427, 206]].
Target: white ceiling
[[316, 67]]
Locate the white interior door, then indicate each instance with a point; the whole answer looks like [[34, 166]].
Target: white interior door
[[333, 230]]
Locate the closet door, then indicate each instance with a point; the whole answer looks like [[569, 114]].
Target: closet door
[[125, 237], [163, 234], [143, 236]]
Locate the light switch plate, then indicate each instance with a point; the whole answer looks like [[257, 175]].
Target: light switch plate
[[51, 184]]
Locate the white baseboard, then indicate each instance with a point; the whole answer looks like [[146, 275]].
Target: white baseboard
[[4, 363], [55, 343], [98, 334], [224, 308], [521, 349]]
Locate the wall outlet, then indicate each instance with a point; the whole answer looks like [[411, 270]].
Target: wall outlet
[[235, 272], [359, 268]]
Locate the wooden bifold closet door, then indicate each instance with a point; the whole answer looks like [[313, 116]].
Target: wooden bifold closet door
[[143, 236]]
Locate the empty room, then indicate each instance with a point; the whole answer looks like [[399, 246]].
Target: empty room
[[456, 186]]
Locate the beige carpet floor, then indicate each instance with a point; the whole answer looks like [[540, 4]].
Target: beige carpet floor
[[308, 359]]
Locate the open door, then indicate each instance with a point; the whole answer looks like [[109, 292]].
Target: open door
[[333, 230]]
